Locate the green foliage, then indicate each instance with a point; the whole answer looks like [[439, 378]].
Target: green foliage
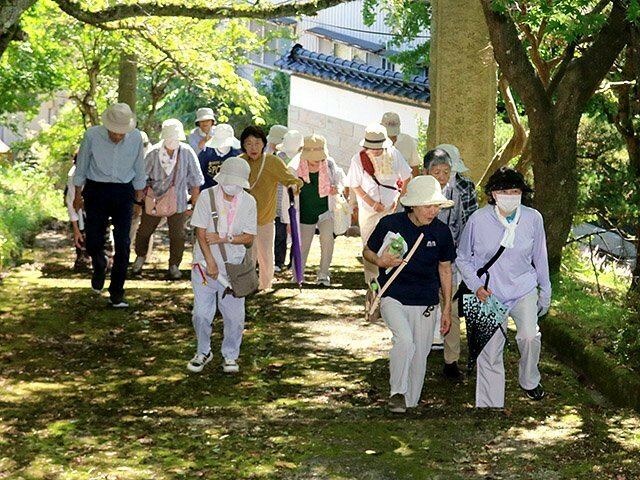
[[276, 88], [28, 197]]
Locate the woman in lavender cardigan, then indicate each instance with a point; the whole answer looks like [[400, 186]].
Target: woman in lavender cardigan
[[519, 279]]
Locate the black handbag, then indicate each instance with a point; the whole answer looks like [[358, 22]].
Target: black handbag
[[464, 290]]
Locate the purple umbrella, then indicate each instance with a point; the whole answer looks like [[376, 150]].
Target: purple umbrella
[[296, 254]]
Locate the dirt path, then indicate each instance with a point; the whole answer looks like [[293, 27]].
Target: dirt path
[[87, 392]]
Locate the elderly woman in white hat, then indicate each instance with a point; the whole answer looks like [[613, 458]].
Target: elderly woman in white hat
[[171, 162], [322, 182], [275, 137], [223, 145], [378, 175], [409, 306], [236, 228], [203, 132], [403, 142]]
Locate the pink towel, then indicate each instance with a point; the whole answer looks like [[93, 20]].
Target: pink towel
[[324, 185]]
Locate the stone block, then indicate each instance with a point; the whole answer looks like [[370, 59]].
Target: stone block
[[339, 126], [313, 119]]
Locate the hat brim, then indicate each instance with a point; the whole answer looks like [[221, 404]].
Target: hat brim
[[206, 117], [180, 136], [232, 142], [225, 179], [273, 139], [413, 201], [392, 131], [313, 156], [459, 166], [119, 127], [376, 146]]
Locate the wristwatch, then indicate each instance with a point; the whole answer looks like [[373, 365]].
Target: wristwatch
[[230, 238]]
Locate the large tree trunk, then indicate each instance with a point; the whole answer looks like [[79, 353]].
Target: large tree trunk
[[127, 79], [10, 13]]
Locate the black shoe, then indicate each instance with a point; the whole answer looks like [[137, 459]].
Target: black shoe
[[118, 302], [452, 372], [397, 404], [99, 275], [535, 393]]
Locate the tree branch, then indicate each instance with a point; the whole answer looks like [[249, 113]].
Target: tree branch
[[121, 12]]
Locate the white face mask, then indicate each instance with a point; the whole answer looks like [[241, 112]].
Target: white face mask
[[172, 144], [508, 203], [232, 190]]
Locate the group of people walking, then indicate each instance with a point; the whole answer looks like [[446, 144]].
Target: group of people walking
[[422, 233]]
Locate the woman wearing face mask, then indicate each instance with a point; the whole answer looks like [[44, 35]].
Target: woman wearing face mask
[[235, 227], [222, 145], [519, 278], [169, 162], [378, 176], [267, 172]]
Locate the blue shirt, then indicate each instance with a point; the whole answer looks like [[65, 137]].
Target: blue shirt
[[418, 283], [210, 162], [101, 160]]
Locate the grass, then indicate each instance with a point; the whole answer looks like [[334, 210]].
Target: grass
[[87, 392]]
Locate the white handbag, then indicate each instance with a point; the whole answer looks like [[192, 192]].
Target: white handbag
[[341, 215]]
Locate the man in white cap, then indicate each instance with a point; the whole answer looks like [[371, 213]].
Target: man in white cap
[[110, 167], [403, 142], [204, 129], [169, 163], [223, 145], [275, 137]]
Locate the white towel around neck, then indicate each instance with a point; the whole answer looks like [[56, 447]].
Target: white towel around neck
[[509, 236]]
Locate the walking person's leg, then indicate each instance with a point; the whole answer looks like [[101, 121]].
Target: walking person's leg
[[307, 232], [148, 225], [280, 244], [490, 384], [121, 212], [452, 344], [264, 254], [177, 238], [327, 242], [96, 224], [204, 309], [233, 315], [368, 222], [421, 322], [529, 340]]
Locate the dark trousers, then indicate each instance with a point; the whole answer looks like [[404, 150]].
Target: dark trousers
[[280, 243], [104, 201], [177, 237]]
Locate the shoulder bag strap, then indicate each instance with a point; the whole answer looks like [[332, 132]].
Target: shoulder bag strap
[[264, 160], [175, 169], [368, 167], [485, 270], [214, 215]]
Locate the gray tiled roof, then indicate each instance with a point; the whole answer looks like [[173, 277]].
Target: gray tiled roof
[[355, 74]]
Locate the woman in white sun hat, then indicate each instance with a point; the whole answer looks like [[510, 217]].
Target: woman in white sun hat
[[169, 162], [205, 126], [222, 145], [409, 306], [378, 175], [236, 228]]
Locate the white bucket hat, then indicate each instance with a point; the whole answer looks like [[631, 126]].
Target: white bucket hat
[[425, 190], [391, 121], [223, 136], [276, 134], [457, 165], [234, 171], [314, 148], [172, 129], [204, 114], [291, 143], [375, 137], [118, 118]]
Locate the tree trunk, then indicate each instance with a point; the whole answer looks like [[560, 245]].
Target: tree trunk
[[127, 79], [10, 13]]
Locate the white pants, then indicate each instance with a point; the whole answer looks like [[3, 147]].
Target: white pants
[[307, 233], [264, 253], [412, 336], [205, 300], [367, 222], [490, 384]]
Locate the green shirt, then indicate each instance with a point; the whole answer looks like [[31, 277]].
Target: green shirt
[[311, 205]]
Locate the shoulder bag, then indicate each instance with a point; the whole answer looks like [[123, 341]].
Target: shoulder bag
[[163, 205]]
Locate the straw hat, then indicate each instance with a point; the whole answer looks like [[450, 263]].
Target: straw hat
[[425, 190], [223, 136], [375, 137], [204, 114], [391, 121], [314, 148], [172, 130], [234, 171], [276, 134], [291, 142], [118, 118], [457, 165]]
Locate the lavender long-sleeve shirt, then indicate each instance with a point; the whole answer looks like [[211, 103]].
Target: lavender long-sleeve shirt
[[520, 269]]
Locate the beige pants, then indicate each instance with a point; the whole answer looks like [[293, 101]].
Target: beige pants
[[264, 253], [367, 222], [307, 232], [177, 237], [452, 338]]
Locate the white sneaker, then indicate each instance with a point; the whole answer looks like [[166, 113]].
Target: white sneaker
[[137, 266], [230, 366], [324, 281], [174, 272], [199, 360]]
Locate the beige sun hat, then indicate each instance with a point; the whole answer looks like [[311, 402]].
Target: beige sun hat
[[291, 143], [391, 121], [234, 171], [223, 136], [172, 129], [276, 134], [204, 114], [457, 165], [314, 148], [375, 137], [425, 190], [118, 118]]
